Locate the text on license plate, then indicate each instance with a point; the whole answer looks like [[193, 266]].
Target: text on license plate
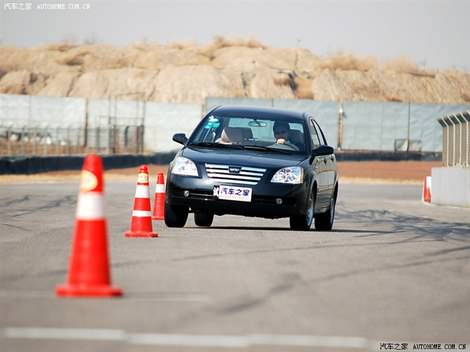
[[240, 194]]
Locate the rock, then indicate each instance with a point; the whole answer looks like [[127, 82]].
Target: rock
[[192, 84], [59, 85], [188, 73], [15, 82]]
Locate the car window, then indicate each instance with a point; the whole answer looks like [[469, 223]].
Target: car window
[[321, 134], [315, 138], [251, 129], [274, 133]]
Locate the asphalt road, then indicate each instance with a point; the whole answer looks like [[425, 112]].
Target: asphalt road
[[393, 270]]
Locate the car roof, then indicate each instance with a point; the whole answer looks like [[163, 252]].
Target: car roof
[[259, 112]]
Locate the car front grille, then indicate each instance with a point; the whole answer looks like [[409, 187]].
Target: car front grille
[[235, 174]]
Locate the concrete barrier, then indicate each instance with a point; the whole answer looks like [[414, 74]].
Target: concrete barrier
[[451, 186], [36, 164], [387, 156]]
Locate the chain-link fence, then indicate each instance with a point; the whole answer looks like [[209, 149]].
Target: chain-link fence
[[56, 140], [378, 126]]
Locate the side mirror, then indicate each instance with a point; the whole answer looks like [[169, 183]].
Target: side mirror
[[180, 138], [323, 150]]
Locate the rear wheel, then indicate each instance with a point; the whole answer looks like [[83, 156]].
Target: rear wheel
[[324, 221], [175, 216], [304, 222], [203, 219]]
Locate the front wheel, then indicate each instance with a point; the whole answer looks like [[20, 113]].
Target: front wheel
[[324, 221], [303, 222], [203, 219], [175, 216]]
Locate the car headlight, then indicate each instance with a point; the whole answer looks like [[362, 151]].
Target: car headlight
[[184, 166], [293, 175]]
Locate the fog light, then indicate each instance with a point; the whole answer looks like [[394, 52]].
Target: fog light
[[186, 194], [278, 201]]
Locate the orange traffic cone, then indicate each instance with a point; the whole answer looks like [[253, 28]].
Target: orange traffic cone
[[89, 274], [159, 204], [427, 189], [141, 222]]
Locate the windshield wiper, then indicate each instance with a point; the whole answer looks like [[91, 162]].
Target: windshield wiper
[[260, 147], [216, 145], [240, 146]]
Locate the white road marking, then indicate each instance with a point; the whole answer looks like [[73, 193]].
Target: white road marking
[[65, 334], [220, 341]]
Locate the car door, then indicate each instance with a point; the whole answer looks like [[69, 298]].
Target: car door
[[319, 165], [330, 164]]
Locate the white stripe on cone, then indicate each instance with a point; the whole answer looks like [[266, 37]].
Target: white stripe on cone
[[160, 188], [141, 213], [142, 191], [429, 182], [90, 206]]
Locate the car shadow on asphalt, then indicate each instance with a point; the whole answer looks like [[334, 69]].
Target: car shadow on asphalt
[[247, 228], [251, 228], [420, 228]]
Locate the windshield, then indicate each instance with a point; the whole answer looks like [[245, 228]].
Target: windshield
[[251, 133]]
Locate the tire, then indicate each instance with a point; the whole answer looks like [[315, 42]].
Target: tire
[[303, 222], [175, 216], [324, 221], [203, 219]]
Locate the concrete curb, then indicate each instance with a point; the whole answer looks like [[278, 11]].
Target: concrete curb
[[36, 164]]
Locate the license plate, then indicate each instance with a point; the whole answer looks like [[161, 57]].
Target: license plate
[[239, 194]]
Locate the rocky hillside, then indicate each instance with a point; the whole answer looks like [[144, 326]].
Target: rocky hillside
[[225, 68]]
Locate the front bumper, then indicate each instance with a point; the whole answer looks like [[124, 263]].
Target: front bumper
[[263, 203]]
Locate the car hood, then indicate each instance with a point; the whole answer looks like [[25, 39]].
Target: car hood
[[235, 157]]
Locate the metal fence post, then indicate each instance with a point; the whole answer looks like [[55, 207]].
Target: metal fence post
[[445, 137], [339, 137], [141, 143], [22, 138], [466, 116], [453, 141], [468, 138], [46, 141], [408, 130], [461, 122], [144, 118], [98, 138], [68, 139], [85, 133], [9, 132], [78, 144]]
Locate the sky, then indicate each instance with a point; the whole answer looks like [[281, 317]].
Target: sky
[[433, 33]]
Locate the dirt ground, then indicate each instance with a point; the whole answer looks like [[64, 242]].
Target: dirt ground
[[363, 172], [386, 171]]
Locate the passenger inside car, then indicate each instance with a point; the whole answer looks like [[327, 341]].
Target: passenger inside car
[[231, 135]]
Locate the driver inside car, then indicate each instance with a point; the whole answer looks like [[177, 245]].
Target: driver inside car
[[282, 131]]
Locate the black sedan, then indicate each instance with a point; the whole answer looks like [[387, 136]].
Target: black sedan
[[253, 162]]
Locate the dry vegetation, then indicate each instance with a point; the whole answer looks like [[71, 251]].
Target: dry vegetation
[[188, 72], [348, 62]]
